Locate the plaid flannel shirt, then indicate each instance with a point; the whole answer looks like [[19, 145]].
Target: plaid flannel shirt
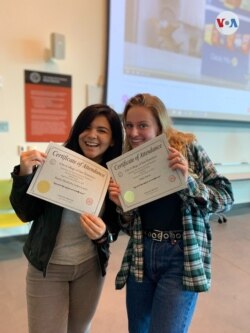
[[207, 192]]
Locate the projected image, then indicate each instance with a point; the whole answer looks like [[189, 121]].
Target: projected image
[[238, 6], [172, 48], [173, 25], [177, 39], [226, 57], [179, 29]]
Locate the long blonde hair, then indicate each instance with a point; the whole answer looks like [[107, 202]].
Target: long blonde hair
[[176, 139]]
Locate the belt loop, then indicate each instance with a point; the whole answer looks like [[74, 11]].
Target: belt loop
[[160, 234]]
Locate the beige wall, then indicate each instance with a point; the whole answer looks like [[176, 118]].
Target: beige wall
[[25, 28]]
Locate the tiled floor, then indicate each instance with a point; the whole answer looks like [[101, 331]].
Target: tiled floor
[[224, 309]]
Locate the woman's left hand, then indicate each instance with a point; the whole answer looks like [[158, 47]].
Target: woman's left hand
[[93, 226], [178, 161]]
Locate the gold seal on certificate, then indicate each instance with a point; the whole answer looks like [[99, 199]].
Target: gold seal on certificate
[[144, 175], [70, 180]]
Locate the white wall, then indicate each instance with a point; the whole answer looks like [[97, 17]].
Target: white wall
[[25, 28], [228, 145]]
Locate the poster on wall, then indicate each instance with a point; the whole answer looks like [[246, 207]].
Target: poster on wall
[[48, 111]]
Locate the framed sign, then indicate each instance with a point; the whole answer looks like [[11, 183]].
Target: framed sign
[[47, 106]]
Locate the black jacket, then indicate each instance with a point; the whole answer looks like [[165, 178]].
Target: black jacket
[[46, 219]]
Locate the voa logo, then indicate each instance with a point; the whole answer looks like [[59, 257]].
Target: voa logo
[[227, 23]]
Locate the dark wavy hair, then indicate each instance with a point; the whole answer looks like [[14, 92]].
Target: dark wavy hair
[[83, 121]]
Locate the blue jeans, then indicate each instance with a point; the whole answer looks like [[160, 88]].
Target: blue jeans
[[159, 304]]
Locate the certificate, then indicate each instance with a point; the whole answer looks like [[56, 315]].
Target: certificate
[[70, 180], [143, 174]]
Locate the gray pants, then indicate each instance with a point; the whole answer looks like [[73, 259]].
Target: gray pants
[[66, 299]]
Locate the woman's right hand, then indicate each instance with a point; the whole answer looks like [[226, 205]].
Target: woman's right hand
[[114, 191], [30, 159]]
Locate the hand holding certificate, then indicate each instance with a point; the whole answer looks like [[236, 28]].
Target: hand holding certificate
[[70, 180], [144, 175]]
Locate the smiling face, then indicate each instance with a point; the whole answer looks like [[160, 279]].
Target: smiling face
[[140, 126], [96, 139]]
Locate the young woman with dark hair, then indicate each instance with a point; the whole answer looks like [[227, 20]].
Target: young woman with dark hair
[[68, 252]]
